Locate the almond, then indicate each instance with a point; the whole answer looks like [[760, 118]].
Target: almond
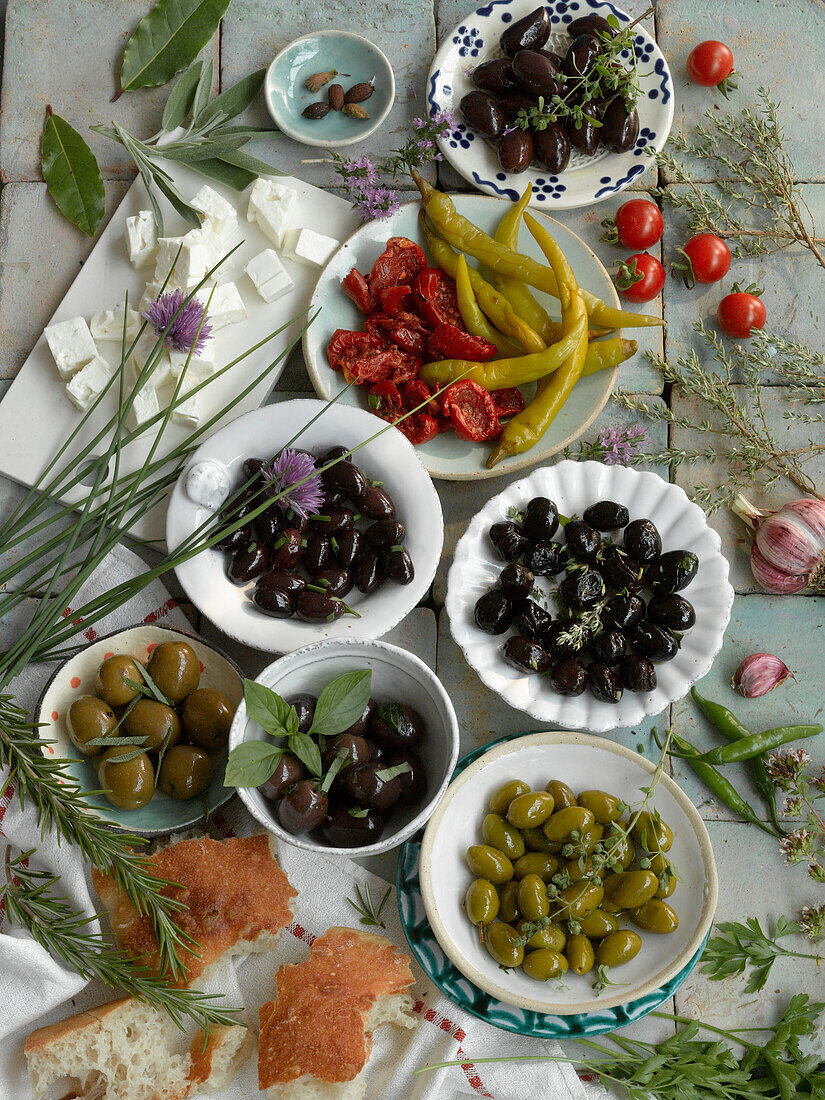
[[335, 95]]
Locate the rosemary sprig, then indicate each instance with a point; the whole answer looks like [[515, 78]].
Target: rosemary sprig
[[742, 946], [368, 912]]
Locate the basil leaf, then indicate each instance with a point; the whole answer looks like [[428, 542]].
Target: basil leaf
[[341, 703], [228, 174], [292, 722], [341, 758], [266, 707], [358, 811], [72, 175], [181, 98], [386, 774], [251, 764], [302, 745], [168, 39], [234, 100]]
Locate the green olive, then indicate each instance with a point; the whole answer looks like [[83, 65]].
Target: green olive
[[552, 936], [597, 924], [489, 863], [580, 954], [577, 901], [508, 909], [652, 833], [500, 941], [604, 807], [660, 866], [154, 721], [618, 845], [129, 785], [528, 811], [481, 901], [185, 772], [618, 948], [175, 669], [558, 828], [87, 719], [111, 680], [542, 965], [590, 837], [563, 796], [630, 889], [532, 898], [536, 863], [499, 833], [655, 916], [578, 873], [505, 795], [536, 841], [206, 716]]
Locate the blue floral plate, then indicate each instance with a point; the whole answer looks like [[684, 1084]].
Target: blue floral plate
[[586, 180]]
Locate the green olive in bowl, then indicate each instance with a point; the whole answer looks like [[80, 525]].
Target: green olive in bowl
[[186, 772], [206, 716], [175, 670], [155, 721], [129, 785], [87, 719], [112, 677]]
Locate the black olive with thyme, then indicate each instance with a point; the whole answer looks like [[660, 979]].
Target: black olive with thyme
[[546, 559], [623, 611], [530, 618], [541, 519], [569, 677], [655, 642], [620, 570], [516, 580], [608, 647], [583, 541], [637, 673], [672, 611], [604, 683], [642, 540], [566, 638], [508, 540], [672, 571], [606, 515], [526, 655], [582, 589], [494, 612]]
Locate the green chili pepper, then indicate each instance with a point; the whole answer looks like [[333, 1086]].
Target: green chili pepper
[[472, 316], [516, 291], [746, 748]]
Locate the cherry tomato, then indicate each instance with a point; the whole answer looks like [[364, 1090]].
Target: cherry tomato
[[709, 63], [634, 288], [638, 224], [739, 313], [706, 260]]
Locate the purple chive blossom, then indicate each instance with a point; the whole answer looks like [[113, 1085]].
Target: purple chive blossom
[[183, 332], [621, 443], [286, 469]]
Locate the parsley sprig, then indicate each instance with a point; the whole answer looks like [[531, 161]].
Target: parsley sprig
[[747, 946]]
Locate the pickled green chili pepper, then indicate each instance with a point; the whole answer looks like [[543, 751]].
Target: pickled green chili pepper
[[516, 291], [472, 314], [746, 748]]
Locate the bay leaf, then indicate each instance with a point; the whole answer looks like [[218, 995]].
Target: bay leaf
[[72, 174], [168, 39]]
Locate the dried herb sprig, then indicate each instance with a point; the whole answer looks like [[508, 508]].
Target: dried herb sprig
[[368, 912], [789, 771], [742, 946]]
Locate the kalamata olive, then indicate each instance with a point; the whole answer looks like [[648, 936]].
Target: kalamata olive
[[304, 707], [494, 612], [316, 607], [620, 127], [481, 112], [526, 655], [303, 807], [333, 496], [596, 25], [541, 519], [333, 521], [606, 515], [233, 542], [515, 151], [622, 612], [414, 781], [348, 546], [546, 559], [516, 580], [397, 724], [289, 771], [536, 73], [317, 555], [253, 466], [286, 550], [581, 55], [527, 33], [569, 677], [343, 829], [671, 611], [385, 533], [554, 57], [513, 102], [637, 673], [582, 589], [283, 579], [299, 523], [269, 524], [508, 540], [248, 563], [375, 503], [398, 565], [583, 541], [672, 571], [356, 748], [584, 133], [347, 477], [642, 541], [531, 619], [367, 787], [656, 642], [494, 76], [360, 727], [369, 571], [565, 638], [620, 570], [604, 683], [609, 646], [338, 582], [274, 602], [377, 752]]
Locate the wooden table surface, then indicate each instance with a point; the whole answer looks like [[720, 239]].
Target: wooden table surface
[[63, 52]]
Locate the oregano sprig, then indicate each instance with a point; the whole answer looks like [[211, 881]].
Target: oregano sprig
[[740, 947]]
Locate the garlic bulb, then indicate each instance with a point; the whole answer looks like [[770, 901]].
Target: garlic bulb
[[788, 552], [759, 674]]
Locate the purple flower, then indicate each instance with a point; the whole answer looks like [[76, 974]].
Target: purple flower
[[444, 118], [283, 474], [419, 123], [376, 202], [812, 921], [183, 331], [411, 92], [361, 167], [620, 443]]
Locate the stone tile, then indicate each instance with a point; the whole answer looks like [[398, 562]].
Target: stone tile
[[67, 53], [40, 254], [255, 30], [792, 627], [778, 44]]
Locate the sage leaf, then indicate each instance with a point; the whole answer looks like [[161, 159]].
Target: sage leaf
[[251, 764], [341, 703], [302, 746], [204, 89], [168, 39], [252, 164], [234, 100], [72, 174], [167, 188], [266, 707], [228, 174], [181, 98]]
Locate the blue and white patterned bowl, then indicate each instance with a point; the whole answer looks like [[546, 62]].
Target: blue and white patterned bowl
[[586, 180]]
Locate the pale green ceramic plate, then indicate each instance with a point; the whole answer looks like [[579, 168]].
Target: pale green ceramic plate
[[446, 456]]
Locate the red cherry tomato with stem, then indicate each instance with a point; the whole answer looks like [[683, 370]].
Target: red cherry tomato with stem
[[710, 65], [640, 278], [741, 311], [637, 224], [705, 259]]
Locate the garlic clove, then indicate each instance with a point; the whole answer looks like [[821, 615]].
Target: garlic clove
[[758, 674], [773, 579]]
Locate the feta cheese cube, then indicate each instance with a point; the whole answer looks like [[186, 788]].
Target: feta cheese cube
[[143, 351], [305, 246], [184, 261], [226, 306], [212, 243], [273, 207], [144, 407], [268, 275], [219, 214], [150, 294], [200, 366], [71, 345], [189, 413], [107, 324], [141, 238], [83, 387]]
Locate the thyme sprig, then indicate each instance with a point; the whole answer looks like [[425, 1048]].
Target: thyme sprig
[[742, 946]]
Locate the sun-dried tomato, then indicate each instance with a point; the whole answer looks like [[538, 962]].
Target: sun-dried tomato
[[397, 265], [471, 409], [436, 298], [508, 402], [355, 287], [395, 299], [405, 330], [345, 345], [448, 342], [416, 393], [419, 428], [384, 400], [407, 367]]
